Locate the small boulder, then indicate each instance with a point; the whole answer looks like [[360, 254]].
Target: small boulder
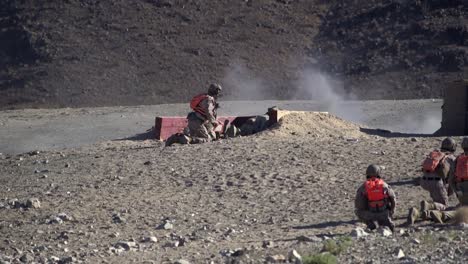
[[358, 232], [276, 259], [33, 203], [294, 257]]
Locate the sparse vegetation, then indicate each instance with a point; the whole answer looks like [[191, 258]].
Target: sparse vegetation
[[323, 258], [336, 247]]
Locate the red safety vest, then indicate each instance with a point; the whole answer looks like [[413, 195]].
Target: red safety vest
[[376, 196], [432, 161], [195, 104], [461, 171]]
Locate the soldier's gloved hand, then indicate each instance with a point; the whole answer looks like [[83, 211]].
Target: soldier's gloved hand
[[216, 105]]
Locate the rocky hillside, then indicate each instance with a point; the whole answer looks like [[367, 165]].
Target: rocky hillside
[[101, 52]]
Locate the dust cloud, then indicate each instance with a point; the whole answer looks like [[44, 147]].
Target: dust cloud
[[317, 86]]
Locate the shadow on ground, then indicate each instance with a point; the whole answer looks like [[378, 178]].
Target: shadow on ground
[[389, 134], [149, 134]]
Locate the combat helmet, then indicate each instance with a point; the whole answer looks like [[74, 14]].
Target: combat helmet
[[448, 144], [214, 89], [373, 171], [464, 143]]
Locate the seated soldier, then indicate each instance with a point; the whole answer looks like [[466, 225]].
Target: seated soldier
[[375, 200]]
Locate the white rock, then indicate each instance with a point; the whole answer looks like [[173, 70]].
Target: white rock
[[400, 254], [385, 231], [294, 257], [33, 203], [181, 261], [358, 232]]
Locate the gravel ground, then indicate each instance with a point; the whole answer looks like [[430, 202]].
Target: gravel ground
[[243, 200]]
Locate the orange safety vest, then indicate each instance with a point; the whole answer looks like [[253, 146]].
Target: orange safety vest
[[461, 171], [195, 104], [376, 196], [432, 161]]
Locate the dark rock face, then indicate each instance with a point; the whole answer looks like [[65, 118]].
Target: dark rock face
[[407, 43], [95, 53]]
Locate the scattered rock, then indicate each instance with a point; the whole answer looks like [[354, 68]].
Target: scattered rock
[[416, 241], [400, 254], [414, 140], [358, 232], [268, 244], [64, 217], [65, 260], [54, 220], [126, 245], [294, 257], [385, 231], [276, 258], [172, 244], [26, 258], [118, 219], [181, 261], [33, 203], [166, 226], [150, 239], [148, 163]]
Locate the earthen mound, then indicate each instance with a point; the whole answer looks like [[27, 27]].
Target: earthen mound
[[315, 124]]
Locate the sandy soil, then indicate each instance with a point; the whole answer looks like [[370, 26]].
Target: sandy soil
[[240, 200]]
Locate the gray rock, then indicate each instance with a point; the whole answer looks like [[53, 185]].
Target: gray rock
[[385, 231], [68, 259], [166, 226], [55, 220], [33, 203], [400, 254], [358, 232], [172, 244], [54, 259], [126, 245], [65, 217], [181, 261], [416, 241], [268, 244], [26, 258], [150, 239], [276, 259]]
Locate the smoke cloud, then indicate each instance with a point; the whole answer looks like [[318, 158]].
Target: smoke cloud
[[242, 84], [317, 86]]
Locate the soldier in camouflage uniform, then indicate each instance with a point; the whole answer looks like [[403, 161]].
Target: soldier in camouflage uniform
[[370, 210], [202, 120], [252, 126], [458, 184], [436, 184]]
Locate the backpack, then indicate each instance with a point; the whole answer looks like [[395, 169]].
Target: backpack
[[432, 161], [461, 171], [195, 102], [375, 191]]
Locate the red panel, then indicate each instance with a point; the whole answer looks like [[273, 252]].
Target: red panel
[[165, 126]]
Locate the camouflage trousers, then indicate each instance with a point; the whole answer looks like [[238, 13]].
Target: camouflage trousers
[[382, 218], [200, 131], [438, 192]]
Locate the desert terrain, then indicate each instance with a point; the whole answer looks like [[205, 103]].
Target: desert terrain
[[119, 197]]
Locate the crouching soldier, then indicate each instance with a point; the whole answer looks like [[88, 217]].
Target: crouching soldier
[[458, 181], [202, 120], [375, 200], [437, 168]]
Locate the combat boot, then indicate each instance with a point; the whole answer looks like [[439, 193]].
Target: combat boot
[[171, 140], [184, 139], [413, 215], [437, 216], [371, 225]]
